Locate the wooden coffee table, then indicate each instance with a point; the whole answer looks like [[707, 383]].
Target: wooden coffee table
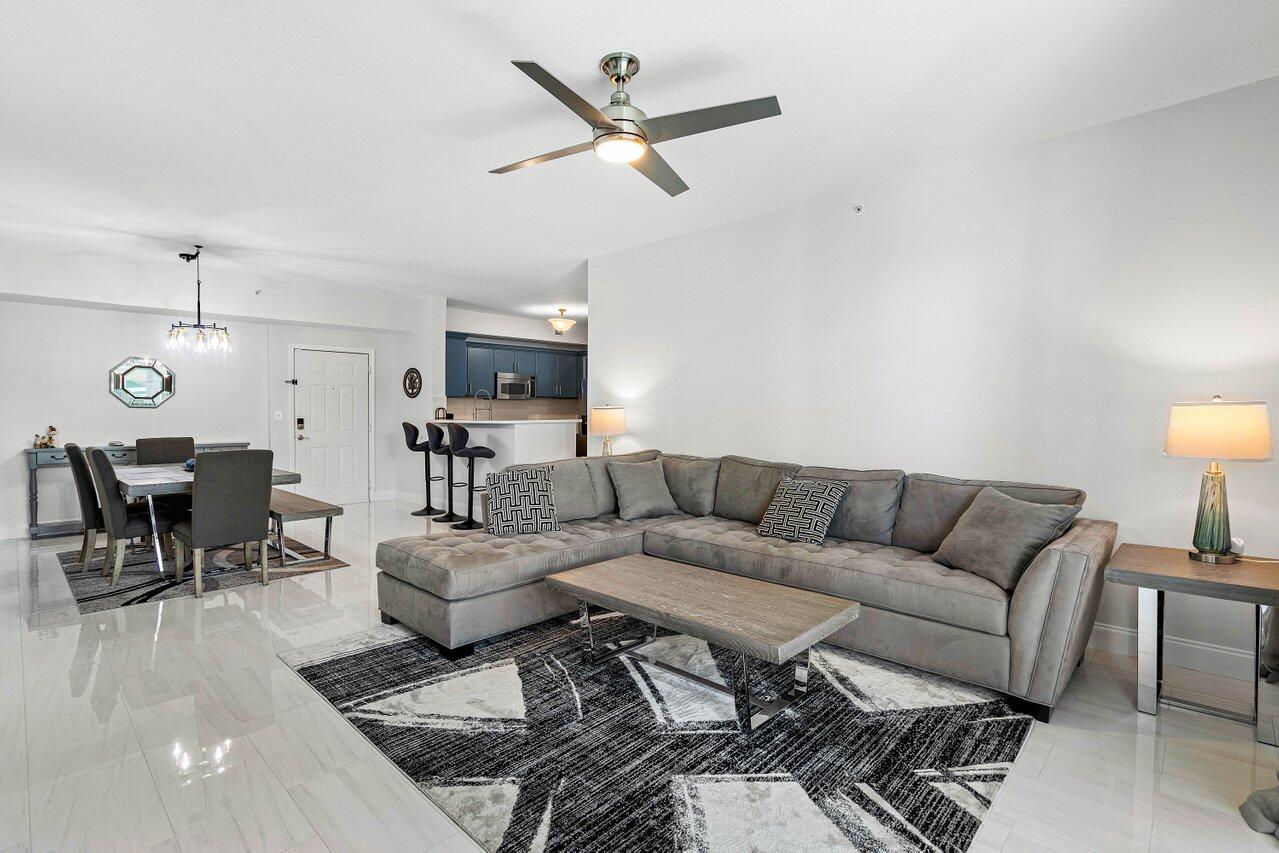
[[756, 619]]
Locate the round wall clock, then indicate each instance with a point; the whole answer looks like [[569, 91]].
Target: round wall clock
[[412, 382]]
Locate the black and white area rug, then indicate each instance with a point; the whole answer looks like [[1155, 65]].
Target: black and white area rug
[[527, 749], [141, 582]]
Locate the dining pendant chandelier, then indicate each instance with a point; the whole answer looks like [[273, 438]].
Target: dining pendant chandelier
[[199, 336]]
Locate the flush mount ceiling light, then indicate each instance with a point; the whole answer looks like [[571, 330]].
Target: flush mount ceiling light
[[622, 133], [561, 324], [199, 336]]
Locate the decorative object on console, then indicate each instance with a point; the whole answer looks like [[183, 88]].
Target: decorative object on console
[[998, 536], [189, 465], [412, 382], [200, 336], [521, 501], [641, 490], [141, 383], [49, 439], [802, 510], [561, 324], [1217, 430], [608, 421]]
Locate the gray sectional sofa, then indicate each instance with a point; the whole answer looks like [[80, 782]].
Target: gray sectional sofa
[[457, 588]]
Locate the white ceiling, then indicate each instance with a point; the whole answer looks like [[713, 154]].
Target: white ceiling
[[349, 142]]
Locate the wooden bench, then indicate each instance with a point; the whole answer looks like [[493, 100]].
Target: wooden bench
[[287, 506]]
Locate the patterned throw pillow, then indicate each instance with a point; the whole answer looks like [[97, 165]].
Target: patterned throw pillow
[[801, 510], [521, 501]]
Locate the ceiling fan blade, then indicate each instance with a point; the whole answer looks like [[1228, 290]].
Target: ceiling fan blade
[[675, 125], [565, 95], [657, 170], [542, 158]]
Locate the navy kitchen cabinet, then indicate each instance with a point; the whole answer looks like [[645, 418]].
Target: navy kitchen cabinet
[[545, 371], [503, 360], [479, 370], [455, 365], [566, 366]]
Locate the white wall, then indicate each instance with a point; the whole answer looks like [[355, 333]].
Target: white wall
[[507, 326], [60, 354], [1026, 316]]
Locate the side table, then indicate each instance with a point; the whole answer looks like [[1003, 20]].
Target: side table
[[1154, 571]]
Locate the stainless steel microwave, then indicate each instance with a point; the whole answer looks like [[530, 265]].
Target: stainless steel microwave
[[515, 386]]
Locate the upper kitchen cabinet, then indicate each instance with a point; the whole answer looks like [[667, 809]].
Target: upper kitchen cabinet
[[455, 365], [546, 375], [480, 375], [567, 365], [472, 365]]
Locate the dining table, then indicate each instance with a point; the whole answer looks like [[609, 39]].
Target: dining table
[[147, 481]]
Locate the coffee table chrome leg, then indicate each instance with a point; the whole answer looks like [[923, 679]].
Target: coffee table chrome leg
[[587, 640], [742, 693], [801, 674]]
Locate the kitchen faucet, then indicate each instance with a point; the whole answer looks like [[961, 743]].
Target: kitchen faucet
[[475, 404]]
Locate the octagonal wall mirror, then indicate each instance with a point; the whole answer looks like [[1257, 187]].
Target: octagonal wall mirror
[[141, 383]]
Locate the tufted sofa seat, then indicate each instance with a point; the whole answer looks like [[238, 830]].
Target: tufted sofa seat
[[459, 565], [893, 578]]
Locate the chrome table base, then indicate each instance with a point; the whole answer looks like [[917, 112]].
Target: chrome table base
[[752, 711], [1265, 667]]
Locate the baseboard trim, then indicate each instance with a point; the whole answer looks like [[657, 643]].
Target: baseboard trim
[[1178, 651]]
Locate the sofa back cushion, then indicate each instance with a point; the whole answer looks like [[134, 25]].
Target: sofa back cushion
[[998, 536], [931, 505], [745, 486], [597, 466], [691, 480], [571, 482], [869, 508]]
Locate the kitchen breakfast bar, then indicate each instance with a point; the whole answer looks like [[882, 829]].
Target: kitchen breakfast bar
[[514, 442]]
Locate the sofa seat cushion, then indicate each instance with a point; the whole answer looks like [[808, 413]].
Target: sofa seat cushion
[[884, 576], [459, 565]]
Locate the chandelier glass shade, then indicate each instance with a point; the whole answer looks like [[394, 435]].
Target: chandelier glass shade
[[561, 324], [198, 336]]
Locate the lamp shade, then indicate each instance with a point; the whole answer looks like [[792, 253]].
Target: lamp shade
[[1219, 429], [608, 420]]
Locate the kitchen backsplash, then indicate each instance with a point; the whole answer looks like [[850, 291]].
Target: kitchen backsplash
[[464, 407]]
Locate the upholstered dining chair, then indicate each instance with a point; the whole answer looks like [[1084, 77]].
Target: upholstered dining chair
[[90, 511], [230, 505], [122, 521], [172, 450], [167, 450]]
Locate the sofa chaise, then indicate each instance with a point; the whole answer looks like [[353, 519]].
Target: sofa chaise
[[457, 588]]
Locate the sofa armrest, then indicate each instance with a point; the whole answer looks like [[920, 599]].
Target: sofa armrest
[[1052, 610]]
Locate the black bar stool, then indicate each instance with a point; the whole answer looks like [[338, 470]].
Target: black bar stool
[[458, 436], [412, 438], [435, 443]]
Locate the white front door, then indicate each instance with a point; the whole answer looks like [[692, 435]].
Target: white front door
[[331, 426]]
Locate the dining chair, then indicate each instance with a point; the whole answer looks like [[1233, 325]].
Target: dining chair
[[164, 451], [230, 504], [90, 511], [169, 450], [122, 521]]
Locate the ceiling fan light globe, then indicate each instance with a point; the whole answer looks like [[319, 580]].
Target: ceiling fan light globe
[[620, 147]]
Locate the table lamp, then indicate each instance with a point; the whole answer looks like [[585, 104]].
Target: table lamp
[[608, 421], [1217, 430]]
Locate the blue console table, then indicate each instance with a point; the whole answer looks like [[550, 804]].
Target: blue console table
[[56, 457]]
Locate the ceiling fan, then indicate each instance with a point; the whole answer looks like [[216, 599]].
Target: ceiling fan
[[622, 133]]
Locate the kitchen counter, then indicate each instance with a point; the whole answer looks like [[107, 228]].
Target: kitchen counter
[[514, 442], [508, 421]]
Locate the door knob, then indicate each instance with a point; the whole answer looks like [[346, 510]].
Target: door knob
[[302, 437]]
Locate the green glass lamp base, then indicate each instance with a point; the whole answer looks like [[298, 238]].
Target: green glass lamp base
[[1212, 523]]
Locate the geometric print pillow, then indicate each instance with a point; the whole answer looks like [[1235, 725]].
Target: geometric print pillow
[[521, 501], [801, 510]]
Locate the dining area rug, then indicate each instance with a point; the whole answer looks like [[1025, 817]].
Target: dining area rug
[[140, 582]]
